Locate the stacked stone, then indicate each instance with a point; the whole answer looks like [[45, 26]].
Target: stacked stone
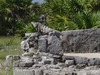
[[79, 41], [45, 64], [45, 43], [48, 58]]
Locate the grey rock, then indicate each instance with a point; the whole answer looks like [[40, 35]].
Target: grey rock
[[89, 72], [57, 56], [54, 73], [43, 67], [94, 72], [38, 71], [97, 61], [53, 66], [23, 64], [32, 50], [16, 57], [91, 62], [36, 61], [71, 70], [64, 58], [50, 55], [61, 65], [42, 42], [49, 61], [55, 45], [46, 72], [69, 62], [36, 66], [82, 40], [81, 60], [43, 54], [94, 61], [80, 66], [19, 71]]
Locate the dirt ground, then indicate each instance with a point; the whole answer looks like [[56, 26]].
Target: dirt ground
[[88, 55]]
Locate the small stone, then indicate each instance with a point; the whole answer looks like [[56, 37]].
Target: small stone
[[16, 57], [64, 58], [49, 61], [69, 62], [43, 54], [81, 60], [91, 62], [80, 66]]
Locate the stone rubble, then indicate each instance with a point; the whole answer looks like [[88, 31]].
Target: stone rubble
[[45, 53], [42, 64]]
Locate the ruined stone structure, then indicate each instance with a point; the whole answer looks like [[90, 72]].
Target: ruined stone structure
[[45, 55]]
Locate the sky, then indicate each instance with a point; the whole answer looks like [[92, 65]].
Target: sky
[[40, 1]]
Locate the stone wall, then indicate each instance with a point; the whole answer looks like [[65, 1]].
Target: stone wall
[[45, 55], [82, 41], [78, 41], [49, 64]]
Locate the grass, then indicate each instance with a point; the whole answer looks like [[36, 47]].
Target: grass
[[8, 46]]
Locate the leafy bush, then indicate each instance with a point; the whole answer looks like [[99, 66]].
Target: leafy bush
[[23, 28]]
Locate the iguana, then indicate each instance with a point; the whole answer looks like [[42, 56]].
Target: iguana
[[46, 30]]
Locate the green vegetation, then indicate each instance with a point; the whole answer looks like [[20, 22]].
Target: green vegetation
[[16, 15], [8, 46], [72, 14]]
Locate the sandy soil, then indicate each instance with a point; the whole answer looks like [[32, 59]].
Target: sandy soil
[[88, 55]]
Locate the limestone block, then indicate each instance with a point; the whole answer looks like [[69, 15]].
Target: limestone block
[[55, 45], [19, 71], [24, 62], [16, 57], [54, 73], [91, 62], [37, 65], [43, 54], [36, 58], [49, 61], [64, 58], [86, 40], [97, 61], [61, 65], [42, 42], [38, 71], [81, 60], [94, 61], [69, 69], [89, 72], [94, 72], [49, 72], [32, 50], [80, 66], [69, 62], [82, 73]]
